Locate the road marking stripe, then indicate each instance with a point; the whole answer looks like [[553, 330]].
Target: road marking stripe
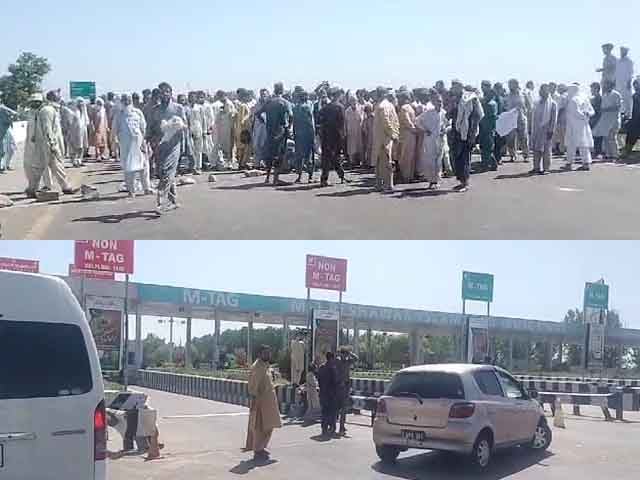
[[207, 415]]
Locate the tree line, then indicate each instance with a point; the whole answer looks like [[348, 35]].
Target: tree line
[[392, 351]]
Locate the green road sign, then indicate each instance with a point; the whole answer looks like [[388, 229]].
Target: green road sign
[[596, 295], [82, 89], [477, 286]]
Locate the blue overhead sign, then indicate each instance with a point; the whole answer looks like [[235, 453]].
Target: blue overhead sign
[[206, 300]]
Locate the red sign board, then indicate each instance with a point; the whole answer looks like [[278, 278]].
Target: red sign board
[[327, 273], [97, 274], [17, 265], [107, 255]]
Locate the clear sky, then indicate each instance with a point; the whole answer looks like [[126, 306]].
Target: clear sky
[[537, 280], [211, 44]]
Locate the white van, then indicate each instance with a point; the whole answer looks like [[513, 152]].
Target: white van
[[52, 411]]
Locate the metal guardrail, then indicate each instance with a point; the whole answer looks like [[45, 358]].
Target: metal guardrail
[[218, 389]]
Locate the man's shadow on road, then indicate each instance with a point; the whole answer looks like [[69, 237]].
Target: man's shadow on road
[[115, 218], [246, 466]]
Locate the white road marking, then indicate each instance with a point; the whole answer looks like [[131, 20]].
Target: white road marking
[[571, 190], [207, 415]]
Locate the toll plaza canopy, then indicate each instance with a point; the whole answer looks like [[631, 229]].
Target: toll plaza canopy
[[181, 302]]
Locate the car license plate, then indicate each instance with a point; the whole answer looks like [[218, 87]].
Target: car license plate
[[414, 436]]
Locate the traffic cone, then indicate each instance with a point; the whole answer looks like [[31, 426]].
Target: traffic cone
[[558, 419]]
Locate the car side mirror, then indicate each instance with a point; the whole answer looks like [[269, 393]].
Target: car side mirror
[[533, 393]]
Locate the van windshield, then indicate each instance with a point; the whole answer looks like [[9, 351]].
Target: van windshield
[[42, 360], [428, 385]]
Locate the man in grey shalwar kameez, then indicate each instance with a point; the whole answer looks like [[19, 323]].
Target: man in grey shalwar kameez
[[259, 136], [544, 121], [165, 133]]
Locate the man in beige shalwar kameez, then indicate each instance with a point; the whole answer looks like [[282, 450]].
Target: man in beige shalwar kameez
[[408, 138], [386, 131], [264, 413]]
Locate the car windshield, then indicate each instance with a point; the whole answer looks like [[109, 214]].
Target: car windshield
[[428, 385], [42, 360]]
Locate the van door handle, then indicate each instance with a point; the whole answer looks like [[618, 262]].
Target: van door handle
[[11, 437], [64, 433]]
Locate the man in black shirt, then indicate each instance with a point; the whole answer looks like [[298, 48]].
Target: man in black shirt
[[328, 383], [331, 120], [279, 114]]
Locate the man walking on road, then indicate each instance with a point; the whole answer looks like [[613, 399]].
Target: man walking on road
[[332, 129], [50, 145], [545, 117], [264, 414], [278, 112], [488, 128], [466, 129], [328, 383], [164, 133], [6, 120], [578, 135]]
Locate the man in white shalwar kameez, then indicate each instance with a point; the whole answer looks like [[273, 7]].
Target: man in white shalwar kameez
[[610, 121], [210, 123], [197, 128], [624, 81], [129, 127], [433, 124], [354, 119], [578, 136]]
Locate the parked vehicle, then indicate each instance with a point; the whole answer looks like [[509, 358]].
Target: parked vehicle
[[467, 409], [52, 411]]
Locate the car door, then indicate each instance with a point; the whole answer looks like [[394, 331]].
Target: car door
[[501, 413], [526, 415]]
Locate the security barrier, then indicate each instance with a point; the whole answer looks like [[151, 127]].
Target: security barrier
[[604, 401]]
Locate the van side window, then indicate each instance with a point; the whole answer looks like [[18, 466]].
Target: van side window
[[43, 360], [487, 382]]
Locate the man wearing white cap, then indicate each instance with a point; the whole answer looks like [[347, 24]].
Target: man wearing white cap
[[624, 80]]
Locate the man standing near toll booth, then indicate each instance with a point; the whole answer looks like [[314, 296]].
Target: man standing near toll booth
[[343, 384], [264, 413]]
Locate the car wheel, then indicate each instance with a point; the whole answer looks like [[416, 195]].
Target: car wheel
[[388, 455], [542, 437], [481, 454]]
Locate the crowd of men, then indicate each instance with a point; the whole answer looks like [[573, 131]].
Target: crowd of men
[[404, 136]]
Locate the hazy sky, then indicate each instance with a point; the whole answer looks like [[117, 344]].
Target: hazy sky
[[211, 44], [537, 280]]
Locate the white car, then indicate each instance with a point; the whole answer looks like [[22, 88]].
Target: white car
[[467, 409], [52, 411]]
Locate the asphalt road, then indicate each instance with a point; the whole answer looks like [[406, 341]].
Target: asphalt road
[[204, 439], [509, 204]]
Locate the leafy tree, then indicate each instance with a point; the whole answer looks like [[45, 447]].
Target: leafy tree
[[150, 345], [24, 79]]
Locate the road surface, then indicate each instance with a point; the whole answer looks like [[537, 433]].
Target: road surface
[[509, 204], [204, 439]]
